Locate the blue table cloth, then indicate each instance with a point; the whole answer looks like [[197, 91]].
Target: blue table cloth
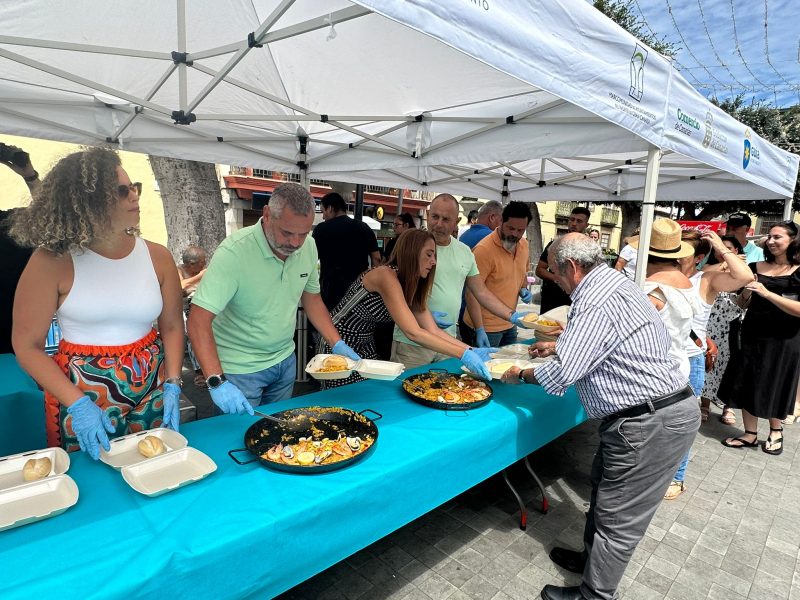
[[249, 532], [21, 409]]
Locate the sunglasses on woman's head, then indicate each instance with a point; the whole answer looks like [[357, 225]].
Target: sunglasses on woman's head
[[124, 190]]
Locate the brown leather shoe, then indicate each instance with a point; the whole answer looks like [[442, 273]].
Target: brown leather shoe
[[553, 592], [571, 560]]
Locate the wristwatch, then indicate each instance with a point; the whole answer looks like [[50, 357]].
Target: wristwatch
[[214, 381]]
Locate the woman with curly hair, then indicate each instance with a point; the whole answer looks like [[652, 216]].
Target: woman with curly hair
[[113, 372]]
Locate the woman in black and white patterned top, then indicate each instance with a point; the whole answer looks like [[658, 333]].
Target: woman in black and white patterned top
[[398, 292], [724, 311]]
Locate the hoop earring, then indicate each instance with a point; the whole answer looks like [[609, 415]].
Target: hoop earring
[[131, 230]]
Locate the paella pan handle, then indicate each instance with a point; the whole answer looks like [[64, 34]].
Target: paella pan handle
[[236, 460], [374, 412]]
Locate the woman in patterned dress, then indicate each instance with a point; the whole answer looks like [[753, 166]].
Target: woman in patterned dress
[[723, 313], [398, 292], [113, 373]]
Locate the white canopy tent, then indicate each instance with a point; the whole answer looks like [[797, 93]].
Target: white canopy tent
[[547, 100]]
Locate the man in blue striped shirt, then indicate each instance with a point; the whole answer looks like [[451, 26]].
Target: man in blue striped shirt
[[614, 350]]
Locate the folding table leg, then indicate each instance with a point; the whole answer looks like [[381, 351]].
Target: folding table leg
[[538, 481], [523, 516]]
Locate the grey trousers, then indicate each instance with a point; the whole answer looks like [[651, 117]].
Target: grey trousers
[[632, 469]]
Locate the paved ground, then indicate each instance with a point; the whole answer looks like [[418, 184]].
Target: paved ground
[[734, 534]]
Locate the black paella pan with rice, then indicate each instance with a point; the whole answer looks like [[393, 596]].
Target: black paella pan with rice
[[442, 389], [312, 439]]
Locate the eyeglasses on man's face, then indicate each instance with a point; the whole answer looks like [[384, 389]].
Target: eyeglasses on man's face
[[124, 190]]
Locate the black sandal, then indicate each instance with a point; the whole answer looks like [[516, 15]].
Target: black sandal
[[743, 443], [772, 442]]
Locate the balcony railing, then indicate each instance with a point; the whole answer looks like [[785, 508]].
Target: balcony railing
[[609, 216], [564, 209]]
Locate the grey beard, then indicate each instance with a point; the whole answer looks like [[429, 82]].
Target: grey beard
[[509, 245]]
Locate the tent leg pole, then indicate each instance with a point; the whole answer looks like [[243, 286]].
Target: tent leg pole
[[648, 211], [359, 209], [788, 213]]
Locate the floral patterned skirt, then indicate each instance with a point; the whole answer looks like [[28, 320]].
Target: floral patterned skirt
[[125, 381]]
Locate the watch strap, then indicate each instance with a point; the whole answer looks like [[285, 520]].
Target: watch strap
[[175, 381]]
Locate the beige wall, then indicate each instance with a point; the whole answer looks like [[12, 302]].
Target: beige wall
[[44, 154], [547, 214]]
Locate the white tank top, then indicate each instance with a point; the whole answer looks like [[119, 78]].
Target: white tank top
[[112, 302], [700, 321], [677, 315]]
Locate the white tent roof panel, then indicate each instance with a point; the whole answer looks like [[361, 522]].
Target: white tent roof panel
[[466, 67]]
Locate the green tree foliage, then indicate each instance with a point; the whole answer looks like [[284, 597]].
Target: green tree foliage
[[779, 126], [623, 14]]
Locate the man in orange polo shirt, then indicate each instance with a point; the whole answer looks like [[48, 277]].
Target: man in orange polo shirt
[[502, 259]]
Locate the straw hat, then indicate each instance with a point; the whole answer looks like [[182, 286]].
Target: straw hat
[[665, 240]]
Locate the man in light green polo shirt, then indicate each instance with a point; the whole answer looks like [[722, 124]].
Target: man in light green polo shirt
[[455, 267], [243, 314]]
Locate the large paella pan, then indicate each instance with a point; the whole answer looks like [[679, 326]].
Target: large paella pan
[[311, 439], [439, 388]]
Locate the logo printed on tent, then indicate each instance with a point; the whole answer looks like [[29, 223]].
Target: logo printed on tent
[[714, 138], [686, 123], [750, 152], [638, 58]]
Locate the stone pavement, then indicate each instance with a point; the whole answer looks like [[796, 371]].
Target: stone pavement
[[734, 534]]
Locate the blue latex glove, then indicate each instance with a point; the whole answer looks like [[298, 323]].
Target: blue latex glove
[[230, 399], [474, 363], [172, 412], [517, 317], [343, 349], [90, 424], [525, 295], [440, 319], [485, 353], [481, 339]]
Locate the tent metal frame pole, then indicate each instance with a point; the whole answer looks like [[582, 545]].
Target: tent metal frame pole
[[93, 85], [260, 93], [244, 48], [336, 17], [100, 139], [648, 211], [496, 125], [153, 91], [788, 213], [89, 48], [183, 94]]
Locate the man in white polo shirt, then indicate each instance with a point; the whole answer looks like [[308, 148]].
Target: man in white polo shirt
[[455, 266]]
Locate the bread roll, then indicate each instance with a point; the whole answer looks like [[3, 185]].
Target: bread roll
[[151, 446], [335, 361], [36, 468]]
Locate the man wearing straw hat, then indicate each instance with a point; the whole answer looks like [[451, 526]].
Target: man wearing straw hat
[[615, 351]]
